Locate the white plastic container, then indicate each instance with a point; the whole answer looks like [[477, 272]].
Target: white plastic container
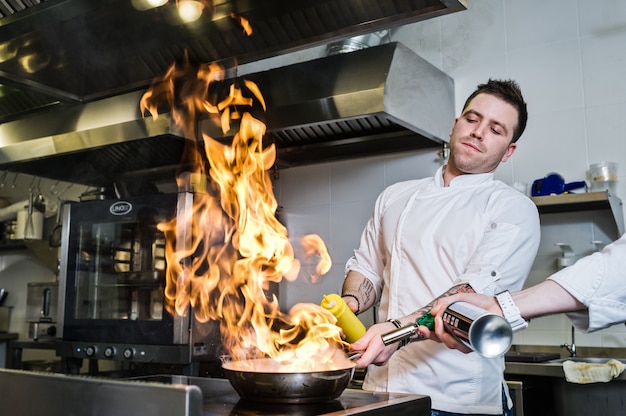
[[603, 176], [36, 232]]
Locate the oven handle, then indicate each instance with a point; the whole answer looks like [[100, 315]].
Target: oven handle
[[45, 310]]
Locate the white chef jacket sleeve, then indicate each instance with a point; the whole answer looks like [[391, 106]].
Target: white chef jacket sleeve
[[368, 259], [507, 251], [599, 282]]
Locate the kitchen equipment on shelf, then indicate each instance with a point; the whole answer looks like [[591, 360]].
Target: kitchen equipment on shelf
[[554, 183], [30, 219], [603, 176], [41, 309], [29, 227], [567, 257]]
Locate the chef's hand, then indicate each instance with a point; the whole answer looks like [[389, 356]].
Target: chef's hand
[[371, 346], [489, 303], [440, 334], [351, 302]]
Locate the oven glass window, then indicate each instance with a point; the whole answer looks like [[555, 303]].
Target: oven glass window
[[120, 271]]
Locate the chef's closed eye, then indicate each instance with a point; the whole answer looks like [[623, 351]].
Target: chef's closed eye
[[497, 129], [471, 118]]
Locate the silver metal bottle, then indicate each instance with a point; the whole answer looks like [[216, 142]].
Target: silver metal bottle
[[489, 334]]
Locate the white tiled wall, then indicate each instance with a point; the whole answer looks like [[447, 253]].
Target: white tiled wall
[[570, 60], [335, 200]]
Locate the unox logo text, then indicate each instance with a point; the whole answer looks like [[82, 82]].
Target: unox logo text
[[121, 208]]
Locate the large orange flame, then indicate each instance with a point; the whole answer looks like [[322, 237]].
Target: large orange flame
[[226, 245]]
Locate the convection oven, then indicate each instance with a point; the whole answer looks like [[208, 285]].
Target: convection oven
[[111, 286]]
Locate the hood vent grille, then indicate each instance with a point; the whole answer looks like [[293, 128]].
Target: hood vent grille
[[372, 101]]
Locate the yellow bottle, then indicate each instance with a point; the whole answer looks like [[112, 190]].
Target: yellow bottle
[[352, 327]]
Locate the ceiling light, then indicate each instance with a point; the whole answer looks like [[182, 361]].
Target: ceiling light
[[144, 5], [190, 10]]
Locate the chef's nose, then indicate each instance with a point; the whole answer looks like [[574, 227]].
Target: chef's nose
[[478, 131]]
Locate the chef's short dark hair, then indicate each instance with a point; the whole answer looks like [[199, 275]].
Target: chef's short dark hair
[[510, 92]]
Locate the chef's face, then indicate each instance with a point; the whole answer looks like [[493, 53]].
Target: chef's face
[[481, 136]]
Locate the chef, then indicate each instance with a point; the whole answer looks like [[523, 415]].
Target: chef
[[460, 230]]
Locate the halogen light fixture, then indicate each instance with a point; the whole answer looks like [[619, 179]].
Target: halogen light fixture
[[188, 10]]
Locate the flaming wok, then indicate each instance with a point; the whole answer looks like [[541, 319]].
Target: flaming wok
[[265, 380]]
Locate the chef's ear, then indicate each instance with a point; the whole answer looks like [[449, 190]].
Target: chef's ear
[[452, 129], [509, 152]]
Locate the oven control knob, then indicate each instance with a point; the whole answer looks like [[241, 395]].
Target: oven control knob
[[51, 331], [109, 352], [90, 351], [128, 353]]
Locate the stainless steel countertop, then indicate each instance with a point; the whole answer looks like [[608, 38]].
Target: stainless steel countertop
[[554, 368], [32, 393], [8, 336], [547, 369]]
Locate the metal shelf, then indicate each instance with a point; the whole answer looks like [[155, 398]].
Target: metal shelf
[[588, 201]]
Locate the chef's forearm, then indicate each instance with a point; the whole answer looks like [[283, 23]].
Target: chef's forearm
[[358, 292], [413, 317], [546, 298]]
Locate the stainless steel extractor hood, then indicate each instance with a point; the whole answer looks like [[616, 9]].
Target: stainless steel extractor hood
[[59, 52], [72, 73], [372, 101], [100, 143]]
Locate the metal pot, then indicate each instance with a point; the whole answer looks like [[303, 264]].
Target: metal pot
[[253, 380]]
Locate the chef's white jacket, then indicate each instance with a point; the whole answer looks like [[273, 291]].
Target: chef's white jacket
[[421, 240], [599, 282]]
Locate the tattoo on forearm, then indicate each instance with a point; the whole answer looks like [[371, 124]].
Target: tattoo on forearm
[[462, 288], [366, 289]]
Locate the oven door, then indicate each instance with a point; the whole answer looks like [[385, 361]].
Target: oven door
[[113, 269]]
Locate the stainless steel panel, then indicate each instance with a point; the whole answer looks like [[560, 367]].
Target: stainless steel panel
[[31, 393]]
